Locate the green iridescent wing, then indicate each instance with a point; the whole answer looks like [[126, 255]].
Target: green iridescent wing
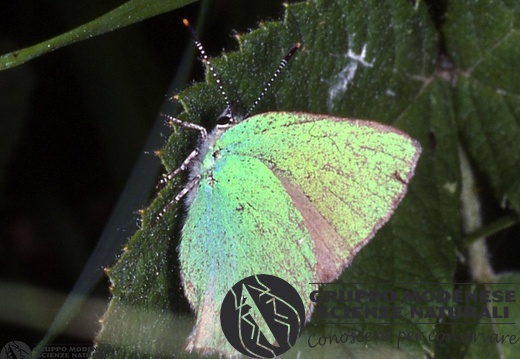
[[291, 194], [244, 224], [345, 176]]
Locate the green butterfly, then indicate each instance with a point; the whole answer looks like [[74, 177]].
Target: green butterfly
[[295, 195]]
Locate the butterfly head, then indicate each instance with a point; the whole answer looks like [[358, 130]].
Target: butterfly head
[[227, 118]]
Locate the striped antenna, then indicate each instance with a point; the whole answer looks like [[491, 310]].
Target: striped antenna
[[205, 59], [228, 111], [279, 69]]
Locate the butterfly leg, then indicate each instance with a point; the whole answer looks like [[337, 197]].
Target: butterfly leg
[[203, 134], [184, 165], [194, 181], [168, 177], [193, 126]]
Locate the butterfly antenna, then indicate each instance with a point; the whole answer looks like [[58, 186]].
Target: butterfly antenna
[[205, 59], [279, 69]]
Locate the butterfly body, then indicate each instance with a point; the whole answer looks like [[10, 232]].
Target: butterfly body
[[294, 195]]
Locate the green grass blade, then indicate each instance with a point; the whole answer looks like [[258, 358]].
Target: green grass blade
[[126, 14]]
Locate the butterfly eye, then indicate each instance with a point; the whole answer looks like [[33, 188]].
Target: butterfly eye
[[224, 120]]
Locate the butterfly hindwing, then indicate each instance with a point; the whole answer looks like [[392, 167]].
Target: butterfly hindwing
[[241, 222]]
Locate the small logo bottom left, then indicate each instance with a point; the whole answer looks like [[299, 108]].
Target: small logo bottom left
[[16, 350]]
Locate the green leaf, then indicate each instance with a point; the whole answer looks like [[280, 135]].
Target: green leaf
[[371, 60], [129, 13], [492, 337], [483, 38]]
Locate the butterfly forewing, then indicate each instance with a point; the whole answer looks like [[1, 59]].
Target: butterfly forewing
[[345, 176]]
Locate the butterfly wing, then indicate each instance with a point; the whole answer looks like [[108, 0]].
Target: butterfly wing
[[241, 222], [290, 194], [345, 177]]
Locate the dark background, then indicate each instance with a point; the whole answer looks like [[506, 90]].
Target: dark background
[[74, 122]]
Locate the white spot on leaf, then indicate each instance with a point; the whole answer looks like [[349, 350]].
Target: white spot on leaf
[[347, 74]]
